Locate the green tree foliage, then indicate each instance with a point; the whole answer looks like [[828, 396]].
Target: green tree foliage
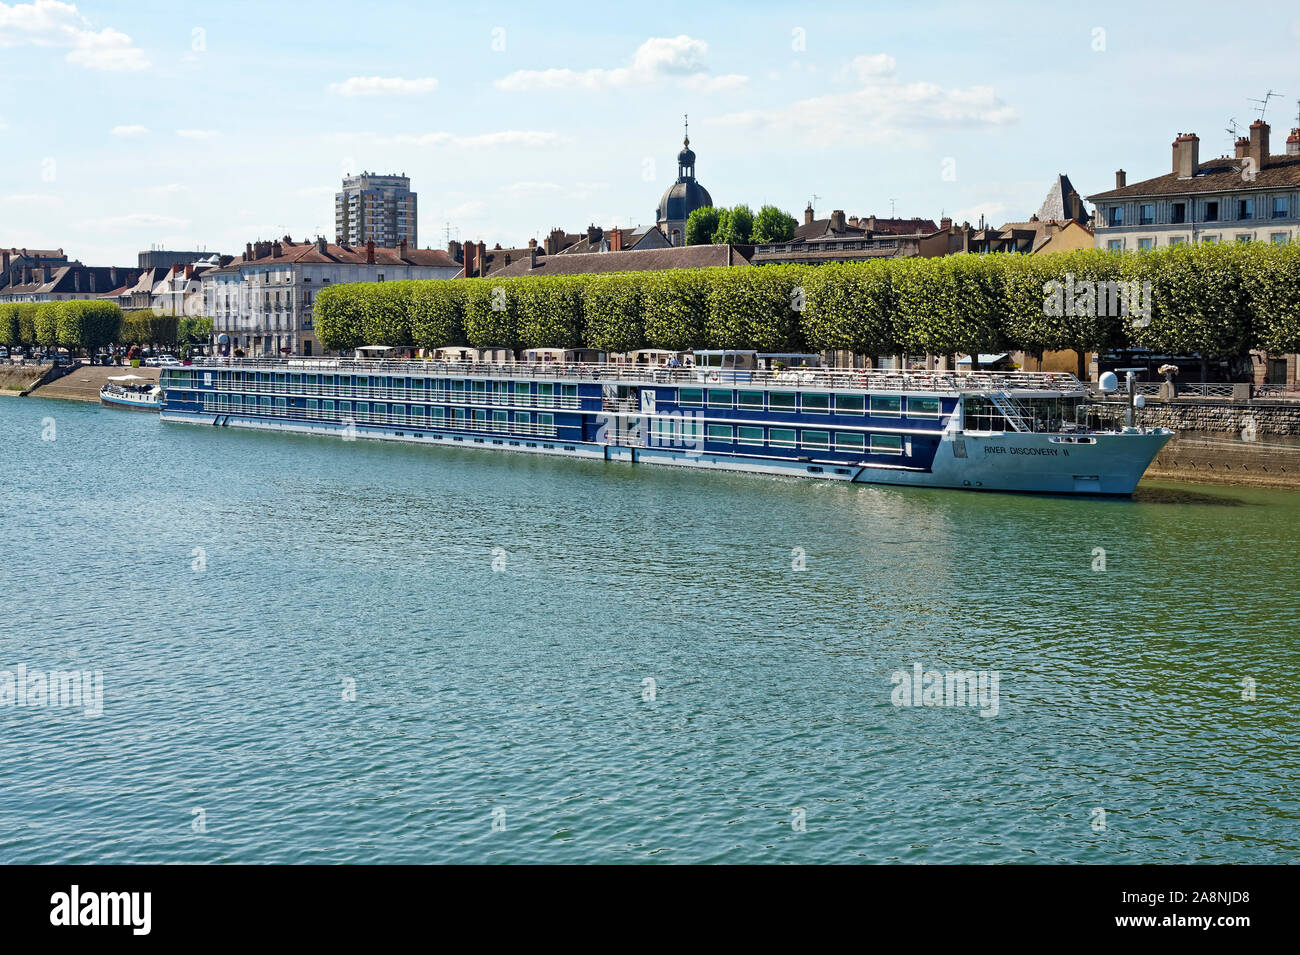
[[146, 327], [90, 324], [27, 323], [951, 304], [756, 308], [851, 306], [614, 313], [773, 225], [437, 313], [1200, 303], [194, 329], [674, 304], [1272, 276], [46, 321], [1208, 300], [492, 313], [735, 226], [10, 336], [337, 315], [385, 318], [551, 312], [700, 225]]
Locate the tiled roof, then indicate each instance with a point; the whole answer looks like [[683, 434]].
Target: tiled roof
[[1217, 175], [292, 253], [645, 260]]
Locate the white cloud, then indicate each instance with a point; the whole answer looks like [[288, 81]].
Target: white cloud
[[882, 110], [134, 220], [49, 23], [384, 86], [658, 59], [31, 199], [130, 130], [196, 133]]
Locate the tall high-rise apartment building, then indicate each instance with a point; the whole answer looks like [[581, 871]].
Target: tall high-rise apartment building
[[373, 208]]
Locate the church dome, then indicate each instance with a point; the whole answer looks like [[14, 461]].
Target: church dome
[[681, 199]]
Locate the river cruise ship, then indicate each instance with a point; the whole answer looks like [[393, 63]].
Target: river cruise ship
[[991, 431]]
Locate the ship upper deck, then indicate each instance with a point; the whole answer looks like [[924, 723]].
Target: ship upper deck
[[1021, 383]]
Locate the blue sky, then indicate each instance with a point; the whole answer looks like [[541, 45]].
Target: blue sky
[[129, 125]]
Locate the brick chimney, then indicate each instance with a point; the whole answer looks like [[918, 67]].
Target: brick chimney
[[808, 215], [248, 251], [945, 223], [370, 251], [401, 247], [456, 251], [1121, 178], [1187, 155], [276, 249], [1293, 143], [837, 220], [1259, 143], [1242, 148], [532, 255], [532, 243], [321, 245], [27, 275], [616, 240], [853, 221], [594, 234], [468, 255], [480, 254], [189, 272]]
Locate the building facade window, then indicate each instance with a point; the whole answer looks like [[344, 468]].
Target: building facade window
[[1146, 245], [1115, 245], [1212, 212], [1245, 208], [1115, 216], [1278, 238], [1178, 213], [1279, 207], [1147, 213]]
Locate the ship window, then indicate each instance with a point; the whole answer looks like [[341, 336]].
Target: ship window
[[749, 435], [363, 408], [848, 441], [524, 417], [570, 391], [886, 444], [751, 399], [781, 401], [820, 440], [545, 421], [329, 405], [691, 398], [720, 432], [849, 404], [313, 404], [815, 403], [719, 399], [436, 414], [781, 437], [886, 405], [922, 407]]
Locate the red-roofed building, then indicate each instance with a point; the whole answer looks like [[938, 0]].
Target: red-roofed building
[[263, 299]]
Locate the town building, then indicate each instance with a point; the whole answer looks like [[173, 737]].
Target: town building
[[165, 259], [1252, 196], [14, 260], [1061, 224], [846, 239], [643, 260], [61, 283], [262, 301], [375, 208], [681, 198]]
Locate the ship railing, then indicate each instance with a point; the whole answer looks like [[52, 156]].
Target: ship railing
[[214, 406], [418, 395], [1017, 416], [802, 378]]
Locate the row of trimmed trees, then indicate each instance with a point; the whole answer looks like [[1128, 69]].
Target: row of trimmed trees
[[1217, 301], [90, 324]]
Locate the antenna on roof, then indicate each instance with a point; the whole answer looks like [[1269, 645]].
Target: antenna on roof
[[1263, 103], [891, 208]]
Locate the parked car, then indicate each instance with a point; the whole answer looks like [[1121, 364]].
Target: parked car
[[4, 352], [161, 361]]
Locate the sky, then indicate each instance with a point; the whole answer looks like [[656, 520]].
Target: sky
[[130, 126]]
